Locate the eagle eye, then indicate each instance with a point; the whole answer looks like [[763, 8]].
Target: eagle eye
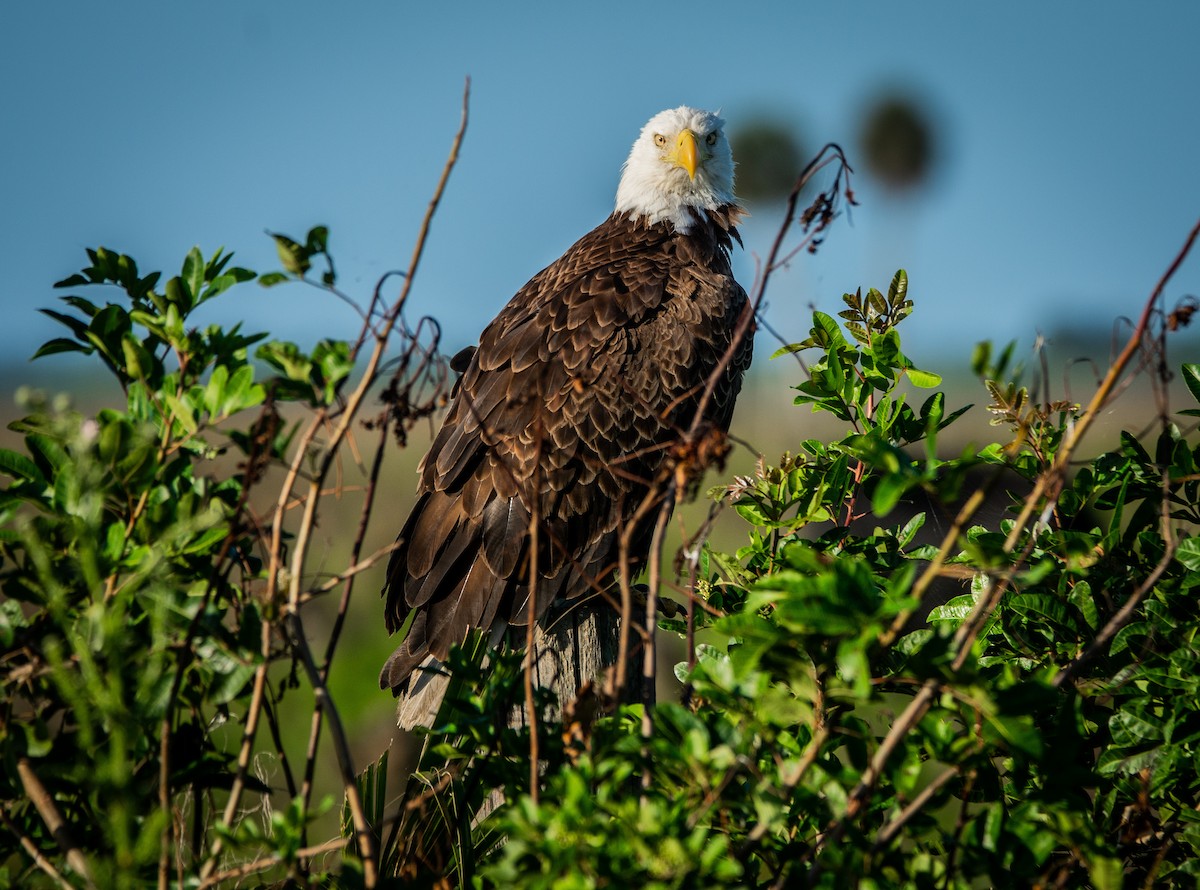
[[711, 138], [660, 140]]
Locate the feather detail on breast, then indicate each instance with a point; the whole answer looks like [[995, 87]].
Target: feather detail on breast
[[564, 415]]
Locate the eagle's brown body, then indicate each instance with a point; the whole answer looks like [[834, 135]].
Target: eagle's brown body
[[568, 409]]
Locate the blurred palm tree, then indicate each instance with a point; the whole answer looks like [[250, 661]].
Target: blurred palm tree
[[896, 142], [769, 158]]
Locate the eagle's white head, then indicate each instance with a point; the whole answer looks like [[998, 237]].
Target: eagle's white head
[[680, 162]]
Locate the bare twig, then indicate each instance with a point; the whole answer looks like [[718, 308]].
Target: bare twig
[[650, 650], [1128, 611], [253, 713], [335, 436], [827, 155], [531, 715], [55, 824], [348, 577], [263, 864], [888, 833], [164, 803], [1050, 482], [33, 852], [362, 829]]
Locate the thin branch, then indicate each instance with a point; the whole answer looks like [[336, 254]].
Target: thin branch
[[33, 852], [531, 715], [650, 649], [348, 577], [362, 829], [1050, 482], [889, 831], [625, 580], [308, 521], [43, 802], [742, 330], [1122, 617], [248, 732], [263, 864], [164, 803]]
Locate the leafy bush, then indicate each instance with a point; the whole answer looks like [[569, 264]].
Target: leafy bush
[[851, 715], [147, 598], [1039, 728]]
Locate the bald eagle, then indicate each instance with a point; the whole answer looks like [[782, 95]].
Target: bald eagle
[[567, 409]]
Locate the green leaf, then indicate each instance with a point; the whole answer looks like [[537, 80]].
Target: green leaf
[[954, 610], [207, 540], [1188, 554], [790, 349], [905, 536], [888, 492], [826, 332], [287, 358], [62, 344], [214, 392], [193, 273], [1130, 728], [1191, 376], [241, 392], [177, 295], [38, 740], [923, 379], [270, 279], [1017, 731], [181, 413], [78, 328], [1106, 872], [1081, 598], [139, 363], [898, 289], [87, 307], [295, 258], [317, 240], [876, 302], [20, 467], [887, 349]]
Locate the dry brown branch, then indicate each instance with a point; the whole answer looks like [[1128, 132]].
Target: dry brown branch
[[888, 833], [55, 824], [949, 542], [164, 804], [33, 852], [692, 461], [649, 649], [248, 732], [531, 611], [263, 864], [362, 829], [336, 426], [815, 220], [348, 577], [1049, 483], [300, 549]]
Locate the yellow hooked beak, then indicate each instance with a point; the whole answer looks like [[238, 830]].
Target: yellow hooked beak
[[684, 154]]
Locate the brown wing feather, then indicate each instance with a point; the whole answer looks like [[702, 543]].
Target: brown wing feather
[[566, 410]]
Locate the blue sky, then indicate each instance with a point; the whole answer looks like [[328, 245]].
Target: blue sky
[[1069, 135]]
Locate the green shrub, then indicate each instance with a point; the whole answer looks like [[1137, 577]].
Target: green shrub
[[843, 721], [1039, 728]]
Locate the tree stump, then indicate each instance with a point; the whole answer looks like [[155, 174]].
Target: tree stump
[[574, 643]]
